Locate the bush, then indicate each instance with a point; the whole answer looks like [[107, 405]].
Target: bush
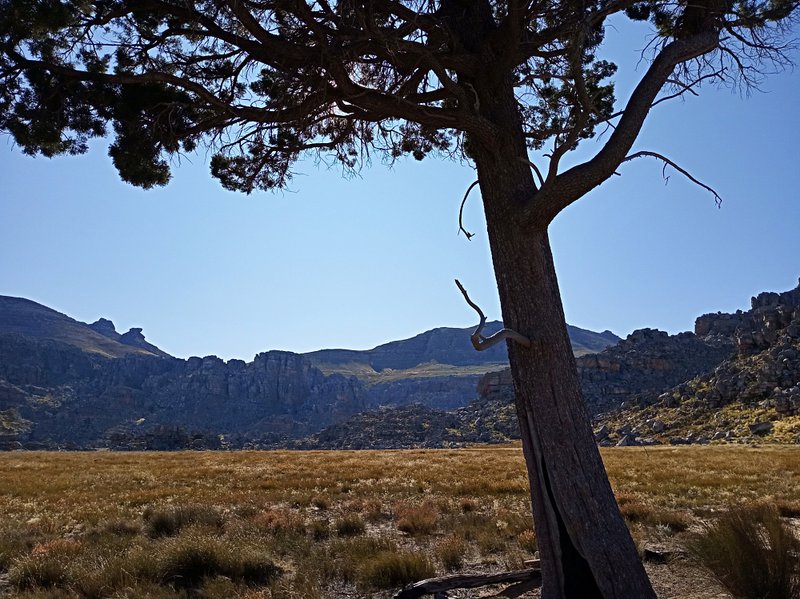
[[639, 513], [394, 569], [320, 530], [169, 522], [752, 553], [280, 522], [527, 541]]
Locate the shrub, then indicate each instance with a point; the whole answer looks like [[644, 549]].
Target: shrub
[[350, 525], [752, 552], [122, 528], [15, 541], [394, 569], [373, 510], [416, 520], [280, 522], [169, 522], [320, 502], [639, 513]]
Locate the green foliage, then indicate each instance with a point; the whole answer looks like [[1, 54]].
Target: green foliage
[[752, 552]]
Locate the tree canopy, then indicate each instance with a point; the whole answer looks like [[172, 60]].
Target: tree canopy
[[263, 82]]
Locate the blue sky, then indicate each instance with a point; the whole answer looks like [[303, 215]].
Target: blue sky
[[336, 262]]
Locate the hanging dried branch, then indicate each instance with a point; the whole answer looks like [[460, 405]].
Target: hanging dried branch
[[481, 343], [535, 170], [461, 212], [685, 173]]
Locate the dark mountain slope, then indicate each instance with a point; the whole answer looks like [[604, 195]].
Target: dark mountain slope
[[25, 317], [444, 345]]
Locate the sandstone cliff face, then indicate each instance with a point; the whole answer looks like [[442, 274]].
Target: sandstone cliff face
[[75, 398]]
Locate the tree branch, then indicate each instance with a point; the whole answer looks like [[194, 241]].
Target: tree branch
[[684, 172], [574, 183], [481, 343]]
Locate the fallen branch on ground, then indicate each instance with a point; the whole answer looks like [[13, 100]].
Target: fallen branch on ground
[[530, 578]]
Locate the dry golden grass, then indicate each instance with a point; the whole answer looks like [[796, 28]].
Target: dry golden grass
[[323, 524]]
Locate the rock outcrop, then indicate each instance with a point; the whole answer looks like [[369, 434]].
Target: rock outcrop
[[72, 398], [753, 395], [636, 370]]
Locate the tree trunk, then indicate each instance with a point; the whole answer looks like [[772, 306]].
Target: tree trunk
[[585, 548]]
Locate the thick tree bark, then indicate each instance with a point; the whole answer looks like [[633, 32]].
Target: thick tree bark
[[585, 547]]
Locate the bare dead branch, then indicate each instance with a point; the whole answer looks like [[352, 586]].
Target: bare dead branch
[[684, 172], [688, 87], [481, 343], [461, 212], [433, 586]]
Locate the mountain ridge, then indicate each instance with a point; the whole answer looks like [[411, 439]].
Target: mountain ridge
[[32, 319]]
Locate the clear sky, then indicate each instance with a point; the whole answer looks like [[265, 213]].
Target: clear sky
[[353, 263]]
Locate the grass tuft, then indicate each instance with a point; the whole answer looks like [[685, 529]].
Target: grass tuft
[[187, 560], [168, 522], [752, 553], [416, 520], [450, 550], [396, 568], [350, 525]]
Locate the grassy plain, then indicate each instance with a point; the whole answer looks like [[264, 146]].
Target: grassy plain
[[327, 523]]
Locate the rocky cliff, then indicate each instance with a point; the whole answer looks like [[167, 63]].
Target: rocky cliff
[[752, 395], [636, 370], [735, 379], [59, 395]]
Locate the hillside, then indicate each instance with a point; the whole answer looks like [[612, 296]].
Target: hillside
[[67, 384], [25, 317], [442, 346]]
